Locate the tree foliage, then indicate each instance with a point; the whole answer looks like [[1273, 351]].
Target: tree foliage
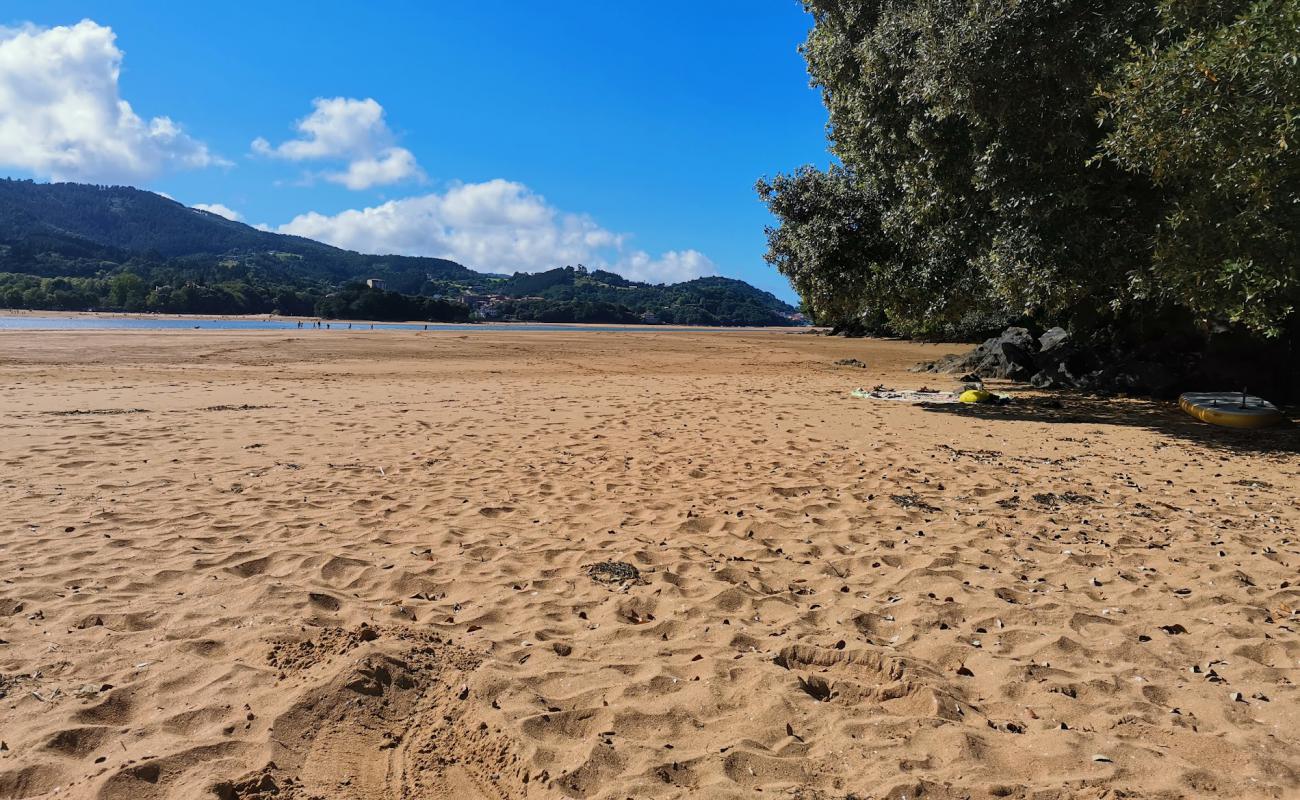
[[830, 228], [1210, 113], [984, 176], [358, 301]]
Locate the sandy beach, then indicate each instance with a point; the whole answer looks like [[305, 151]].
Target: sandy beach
[[293, 565]]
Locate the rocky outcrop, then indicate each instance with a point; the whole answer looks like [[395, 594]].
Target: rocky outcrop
[[1061, 364], [1056, 361], [1010, 354]]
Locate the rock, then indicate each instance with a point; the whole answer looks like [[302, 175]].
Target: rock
[[1056, 377], [1056, 360], [851, 362], [1010, 354], [1052, 339], [1061, 363], [1145, 377]]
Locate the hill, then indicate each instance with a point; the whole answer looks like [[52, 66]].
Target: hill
[[702, 301], [71, 246], [76, 218]]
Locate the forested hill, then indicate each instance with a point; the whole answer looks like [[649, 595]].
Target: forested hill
[[703, 301], [64, 216], [68, 246]]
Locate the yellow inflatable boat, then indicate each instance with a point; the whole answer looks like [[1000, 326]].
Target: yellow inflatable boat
[[1230, 409]]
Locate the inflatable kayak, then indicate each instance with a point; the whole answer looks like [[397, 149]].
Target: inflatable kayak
[[1230, 409]]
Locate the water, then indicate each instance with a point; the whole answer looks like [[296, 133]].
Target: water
[[85, 322]]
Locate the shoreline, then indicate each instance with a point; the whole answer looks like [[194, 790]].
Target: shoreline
[[144, 316]]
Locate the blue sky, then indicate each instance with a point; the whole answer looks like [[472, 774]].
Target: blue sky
[[502, 134]]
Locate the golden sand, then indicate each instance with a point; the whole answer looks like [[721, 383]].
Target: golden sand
[[313, 565]]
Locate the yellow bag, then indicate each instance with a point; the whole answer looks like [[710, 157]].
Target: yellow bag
[[976, 396]]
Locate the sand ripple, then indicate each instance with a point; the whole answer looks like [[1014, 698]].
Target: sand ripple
[[359, 566]]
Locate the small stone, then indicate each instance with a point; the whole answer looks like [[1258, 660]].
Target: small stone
[[1101, 759]]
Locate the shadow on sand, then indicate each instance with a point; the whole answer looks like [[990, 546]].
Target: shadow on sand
[[1161, 417]]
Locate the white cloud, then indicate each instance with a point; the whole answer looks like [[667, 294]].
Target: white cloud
[[671, 267], [346, 129], [496, 226], [61, 115], [391, 165], [220, 210]]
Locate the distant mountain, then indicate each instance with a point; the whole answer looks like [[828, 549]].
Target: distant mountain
[[72, 216], [77, 246]]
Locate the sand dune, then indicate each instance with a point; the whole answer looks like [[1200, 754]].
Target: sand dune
[[310, 565]]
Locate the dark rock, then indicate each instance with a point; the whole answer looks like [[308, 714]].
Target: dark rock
[[1052, 339], [1056, 377], [1062, 364], [1010, 354], [1058, 360], [1142, 377]]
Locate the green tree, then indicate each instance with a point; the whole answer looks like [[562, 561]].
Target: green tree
[[970, 127], [1210, 113], [829, 244], [127, 292], [985, 177]]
